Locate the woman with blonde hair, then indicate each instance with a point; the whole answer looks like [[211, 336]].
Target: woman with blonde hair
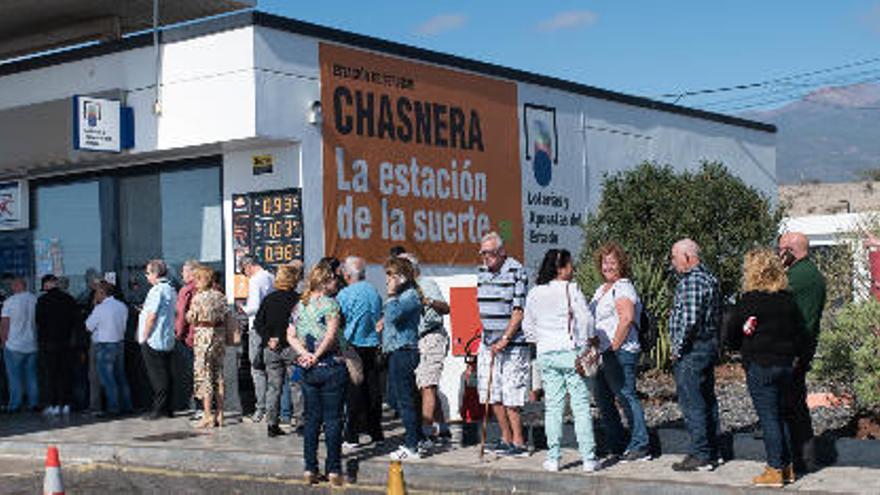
[[271, 324], [207, 314], [768, 329], [315, 334]]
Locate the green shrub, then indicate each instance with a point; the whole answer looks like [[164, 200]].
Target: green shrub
[[848, 355]]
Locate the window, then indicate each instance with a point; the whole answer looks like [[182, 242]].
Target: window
[[67, 235], [174, 215]]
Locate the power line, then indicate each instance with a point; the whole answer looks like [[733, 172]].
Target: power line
[[738, 87], [800, 95], [840, 80]]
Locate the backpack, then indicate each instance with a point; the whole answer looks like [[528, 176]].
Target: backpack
[[646, 327]]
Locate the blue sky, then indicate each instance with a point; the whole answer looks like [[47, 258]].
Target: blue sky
[[638, 47]]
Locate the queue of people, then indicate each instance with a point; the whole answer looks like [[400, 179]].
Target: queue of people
[[326, 348]]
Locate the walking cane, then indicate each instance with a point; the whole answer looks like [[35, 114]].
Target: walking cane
[[488, 401]]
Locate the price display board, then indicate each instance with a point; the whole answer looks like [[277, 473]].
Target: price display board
[[277, 226], [268, 226]]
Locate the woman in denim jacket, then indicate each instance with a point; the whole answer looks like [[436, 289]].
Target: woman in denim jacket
[[400, 342]]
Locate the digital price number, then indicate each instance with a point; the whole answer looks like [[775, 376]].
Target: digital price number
[[277, 226]]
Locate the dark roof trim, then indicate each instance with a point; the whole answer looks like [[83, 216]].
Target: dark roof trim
[[380, 45], [248, 18], [170, 35]]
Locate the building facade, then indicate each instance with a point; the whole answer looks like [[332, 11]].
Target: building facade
[[261, 134]]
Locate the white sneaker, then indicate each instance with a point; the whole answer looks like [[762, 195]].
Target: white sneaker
[[551, 465], [404, 454], [350, 445], [590, 466]]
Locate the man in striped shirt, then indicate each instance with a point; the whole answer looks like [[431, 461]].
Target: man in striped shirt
[[501, 292]]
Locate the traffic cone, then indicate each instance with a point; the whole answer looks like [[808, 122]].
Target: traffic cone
[[52, 484], [395, 479]]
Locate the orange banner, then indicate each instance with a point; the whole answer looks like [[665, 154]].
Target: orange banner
[[419, 156]]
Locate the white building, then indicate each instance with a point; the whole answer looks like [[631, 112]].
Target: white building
[[384, 144]]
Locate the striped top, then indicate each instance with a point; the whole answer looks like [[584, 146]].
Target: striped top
[[498, 294]]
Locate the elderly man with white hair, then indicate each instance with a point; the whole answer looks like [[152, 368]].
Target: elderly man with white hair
[[693, 329], [361, 306], [502, 283]]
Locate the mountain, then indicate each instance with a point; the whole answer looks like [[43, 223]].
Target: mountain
[[829, 135]]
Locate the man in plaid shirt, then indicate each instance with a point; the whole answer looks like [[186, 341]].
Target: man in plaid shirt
[[693, 329]]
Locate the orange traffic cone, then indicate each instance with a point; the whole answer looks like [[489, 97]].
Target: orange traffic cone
[[52, 484], [395, 479]]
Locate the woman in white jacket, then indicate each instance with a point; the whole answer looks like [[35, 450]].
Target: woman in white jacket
[[557, 320]]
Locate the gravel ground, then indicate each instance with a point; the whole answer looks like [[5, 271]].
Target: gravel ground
[[734, 403]]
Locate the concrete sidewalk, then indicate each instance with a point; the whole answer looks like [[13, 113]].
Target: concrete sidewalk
[[243, 448]]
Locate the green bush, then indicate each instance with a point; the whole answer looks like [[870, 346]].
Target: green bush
[[847, 355], [648, 208]]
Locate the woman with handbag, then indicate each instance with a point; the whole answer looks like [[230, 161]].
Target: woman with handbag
[[208, 314], [616, 308], [557, 320], [400, 342], [315, 334]]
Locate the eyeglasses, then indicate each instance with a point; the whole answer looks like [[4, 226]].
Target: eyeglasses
[[486, 253]]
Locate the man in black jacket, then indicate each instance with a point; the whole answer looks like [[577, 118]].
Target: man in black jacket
[[57, 317]]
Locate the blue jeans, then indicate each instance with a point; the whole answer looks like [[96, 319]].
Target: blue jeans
[[617, 379], [402, 365], [695, 384], [767, 386], [110, 364], [559, 377], [21, 372], [323, 389]]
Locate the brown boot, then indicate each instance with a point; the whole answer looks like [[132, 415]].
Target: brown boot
[[788, 475], [770, 477]]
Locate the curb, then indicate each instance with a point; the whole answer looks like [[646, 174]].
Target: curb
[[420, 476]]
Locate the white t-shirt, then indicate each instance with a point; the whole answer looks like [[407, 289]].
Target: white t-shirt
[[546, 318], [605, 314], [259, 286], [20, 309]]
